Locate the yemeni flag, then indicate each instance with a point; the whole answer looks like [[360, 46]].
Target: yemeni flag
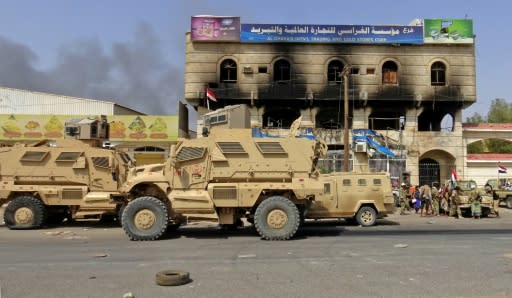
[[210, 94], [502, 169], [454, 176]]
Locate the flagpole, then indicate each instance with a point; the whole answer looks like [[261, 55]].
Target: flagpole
[[206, 96]]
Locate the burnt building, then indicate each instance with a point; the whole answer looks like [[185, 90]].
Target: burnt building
[[408, 83]]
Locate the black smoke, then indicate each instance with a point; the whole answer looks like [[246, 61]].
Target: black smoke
[[134, 73]]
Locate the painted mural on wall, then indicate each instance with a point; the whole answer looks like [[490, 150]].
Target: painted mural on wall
[[131, 128]]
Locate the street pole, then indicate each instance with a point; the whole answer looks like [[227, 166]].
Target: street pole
[[346, 145]]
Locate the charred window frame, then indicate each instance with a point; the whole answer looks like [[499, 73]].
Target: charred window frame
[[228, 71], [282, 71], [389, 73], [438, 74], [334, 70]]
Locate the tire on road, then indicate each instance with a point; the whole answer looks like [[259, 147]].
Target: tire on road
[[509, 202], [277, 218], [25, 212], [366, 216], [172, 278], [144, 219]]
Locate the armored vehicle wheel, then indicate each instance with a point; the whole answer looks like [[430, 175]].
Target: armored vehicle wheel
[[145, 218], [366, 216], [277, 218], [509, 202], [172, 278], [25, 212]]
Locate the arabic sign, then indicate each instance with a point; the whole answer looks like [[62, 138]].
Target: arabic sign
[[211, 28], [366, 34], [122, 128], [448, 31]]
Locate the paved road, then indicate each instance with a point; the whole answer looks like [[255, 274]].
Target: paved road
[[404, 256]]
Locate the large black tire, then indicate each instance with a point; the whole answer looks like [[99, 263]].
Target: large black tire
[[366, 216], [145, 218], [509, 202], [277, 218], [25, 212], [172, 278]]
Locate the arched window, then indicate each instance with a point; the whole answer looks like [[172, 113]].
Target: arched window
[[228, 71], [438, 74], [334, 71], [389, 73], [282, 71]]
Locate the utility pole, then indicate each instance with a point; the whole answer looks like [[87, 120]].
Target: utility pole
[[346, 146]]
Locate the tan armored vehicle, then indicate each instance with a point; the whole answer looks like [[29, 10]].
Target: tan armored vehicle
[[70, 179], [230, 175], [471, 193]]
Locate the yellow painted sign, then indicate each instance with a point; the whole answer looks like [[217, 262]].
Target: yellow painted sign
[[132, 128]]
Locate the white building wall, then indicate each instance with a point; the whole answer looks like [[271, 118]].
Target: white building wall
[[16, 101], [482, 171]]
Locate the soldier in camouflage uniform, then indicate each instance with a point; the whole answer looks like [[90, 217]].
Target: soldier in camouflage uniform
[[435, 201], [404, 202], [455, 201], [495, 199], [476, 208]]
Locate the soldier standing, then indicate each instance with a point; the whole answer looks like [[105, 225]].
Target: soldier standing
[[495, 199], [435, 201], [476, 208], [455, 201], [403, 199]]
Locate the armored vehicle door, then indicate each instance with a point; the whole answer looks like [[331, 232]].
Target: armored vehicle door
[[101, 171], [190, 168]]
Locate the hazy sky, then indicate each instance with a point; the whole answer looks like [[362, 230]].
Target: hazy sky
[[132, 52]]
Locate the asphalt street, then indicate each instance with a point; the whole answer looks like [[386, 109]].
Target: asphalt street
[[403, 256]]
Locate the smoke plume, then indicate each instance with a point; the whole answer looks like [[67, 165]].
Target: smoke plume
[[134, 74]]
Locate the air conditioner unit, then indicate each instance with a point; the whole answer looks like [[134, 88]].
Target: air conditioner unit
[[360, 147]]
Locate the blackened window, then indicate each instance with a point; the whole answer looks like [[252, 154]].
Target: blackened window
[[228, 71], [438, 74], [389, 73], [282, 71], [334, 72]]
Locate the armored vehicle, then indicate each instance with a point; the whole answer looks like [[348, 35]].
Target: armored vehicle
[[46, 182], [239, 173], [470, 193], [502, 189]]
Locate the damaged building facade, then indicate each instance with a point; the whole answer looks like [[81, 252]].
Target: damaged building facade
[[408, 83]]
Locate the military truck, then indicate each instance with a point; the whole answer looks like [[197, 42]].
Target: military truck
[[231, 174], [470, 193], [503, 191], [49, 181]]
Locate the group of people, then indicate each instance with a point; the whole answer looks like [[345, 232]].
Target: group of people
[[444, 200]]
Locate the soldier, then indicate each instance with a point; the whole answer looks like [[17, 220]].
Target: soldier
[[426, 199], [435, 200], [495, 199], [403, 199], [455, 201], [476, 209]]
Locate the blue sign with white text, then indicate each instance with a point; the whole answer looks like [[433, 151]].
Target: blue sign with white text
[[355, 34]]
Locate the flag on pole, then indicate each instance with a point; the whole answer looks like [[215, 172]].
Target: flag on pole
[[502, 169], [210, 94], [454, 176]]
